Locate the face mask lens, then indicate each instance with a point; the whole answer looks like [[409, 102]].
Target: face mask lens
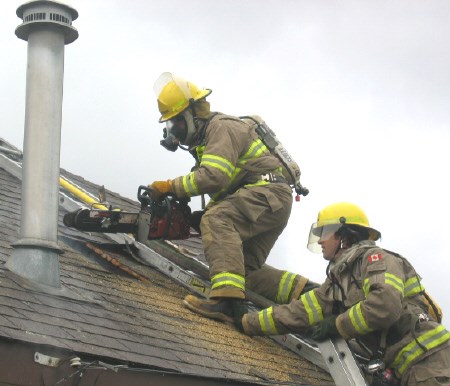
[[168, 129], [176, 127]]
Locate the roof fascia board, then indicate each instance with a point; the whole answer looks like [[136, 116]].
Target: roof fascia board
[[23, 365]]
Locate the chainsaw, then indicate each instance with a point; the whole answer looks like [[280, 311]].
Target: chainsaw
[[167, 218]]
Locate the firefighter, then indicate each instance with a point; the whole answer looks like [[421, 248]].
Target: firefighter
[[250, 200], [371, 297]]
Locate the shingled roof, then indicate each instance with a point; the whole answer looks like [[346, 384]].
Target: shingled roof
[[113, 309]]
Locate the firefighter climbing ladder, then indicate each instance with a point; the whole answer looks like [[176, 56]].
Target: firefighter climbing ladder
[[333, 355]]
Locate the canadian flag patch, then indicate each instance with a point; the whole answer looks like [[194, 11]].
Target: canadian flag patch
[[374, 258]]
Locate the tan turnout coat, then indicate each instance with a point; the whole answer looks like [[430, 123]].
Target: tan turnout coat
[[246, 214], [378, 297]]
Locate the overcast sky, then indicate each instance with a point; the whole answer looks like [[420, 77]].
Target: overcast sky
[[357, 90]]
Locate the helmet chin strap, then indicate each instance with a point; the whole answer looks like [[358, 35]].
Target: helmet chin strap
[[340, 246]]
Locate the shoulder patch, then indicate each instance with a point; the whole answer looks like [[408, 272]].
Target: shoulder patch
[[373, 258]]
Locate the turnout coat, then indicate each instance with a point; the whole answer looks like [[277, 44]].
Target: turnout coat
[[249, 208], [381, 306]]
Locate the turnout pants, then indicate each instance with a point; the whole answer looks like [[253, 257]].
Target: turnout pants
[[238, 233]]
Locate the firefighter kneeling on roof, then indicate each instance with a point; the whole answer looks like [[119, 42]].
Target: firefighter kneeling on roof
[[250, 199], [372, 297]]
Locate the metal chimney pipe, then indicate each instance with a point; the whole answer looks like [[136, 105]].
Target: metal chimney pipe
[[47, 26]]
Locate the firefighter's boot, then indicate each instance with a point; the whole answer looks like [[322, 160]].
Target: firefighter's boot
[[219, 309]]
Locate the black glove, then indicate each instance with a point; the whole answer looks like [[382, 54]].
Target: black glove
[[195, 219], [239, 310], [325, 329]]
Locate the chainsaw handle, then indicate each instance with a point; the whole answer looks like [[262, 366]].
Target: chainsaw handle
[[143, 195]]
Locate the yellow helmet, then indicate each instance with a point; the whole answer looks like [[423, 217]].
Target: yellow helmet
[[175, 94], [333, 217]]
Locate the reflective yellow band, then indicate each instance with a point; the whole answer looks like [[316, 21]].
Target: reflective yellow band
[[267, 322], [394, 281], [258, 183], [189, 185], [366, 287], [413, 286], [412, 351], [180, 103], [218, 162], [348, 220], [358, 321], [410, 288], [217, 196], [199, 150], [256, 148], [312, 307], [228, 279], [285, 287]]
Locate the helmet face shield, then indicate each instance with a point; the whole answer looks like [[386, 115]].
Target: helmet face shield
[[320, 232], [175, 95]]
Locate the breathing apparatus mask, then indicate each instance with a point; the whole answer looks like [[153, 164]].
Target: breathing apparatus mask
[[178, 131]]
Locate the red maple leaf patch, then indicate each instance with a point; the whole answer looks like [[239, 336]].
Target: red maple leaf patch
[[374, 258]]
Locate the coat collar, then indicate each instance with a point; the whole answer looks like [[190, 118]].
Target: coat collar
[[349, 256]]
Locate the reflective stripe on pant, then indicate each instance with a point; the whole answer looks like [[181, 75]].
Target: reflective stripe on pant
[[239, 231], [275, 284]]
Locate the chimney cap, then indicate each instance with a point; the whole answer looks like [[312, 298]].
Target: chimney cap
[[48, 13], [73, 11]]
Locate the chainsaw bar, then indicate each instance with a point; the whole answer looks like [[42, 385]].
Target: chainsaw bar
[[167, 218], [105, 221]]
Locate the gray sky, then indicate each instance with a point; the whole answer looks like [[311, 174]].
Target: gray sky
[[357, 90]]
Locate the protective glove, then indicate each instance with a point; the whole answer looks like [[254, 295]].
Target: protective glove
[[239, 310], [195, 219], [325, 329], [159, 188]]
